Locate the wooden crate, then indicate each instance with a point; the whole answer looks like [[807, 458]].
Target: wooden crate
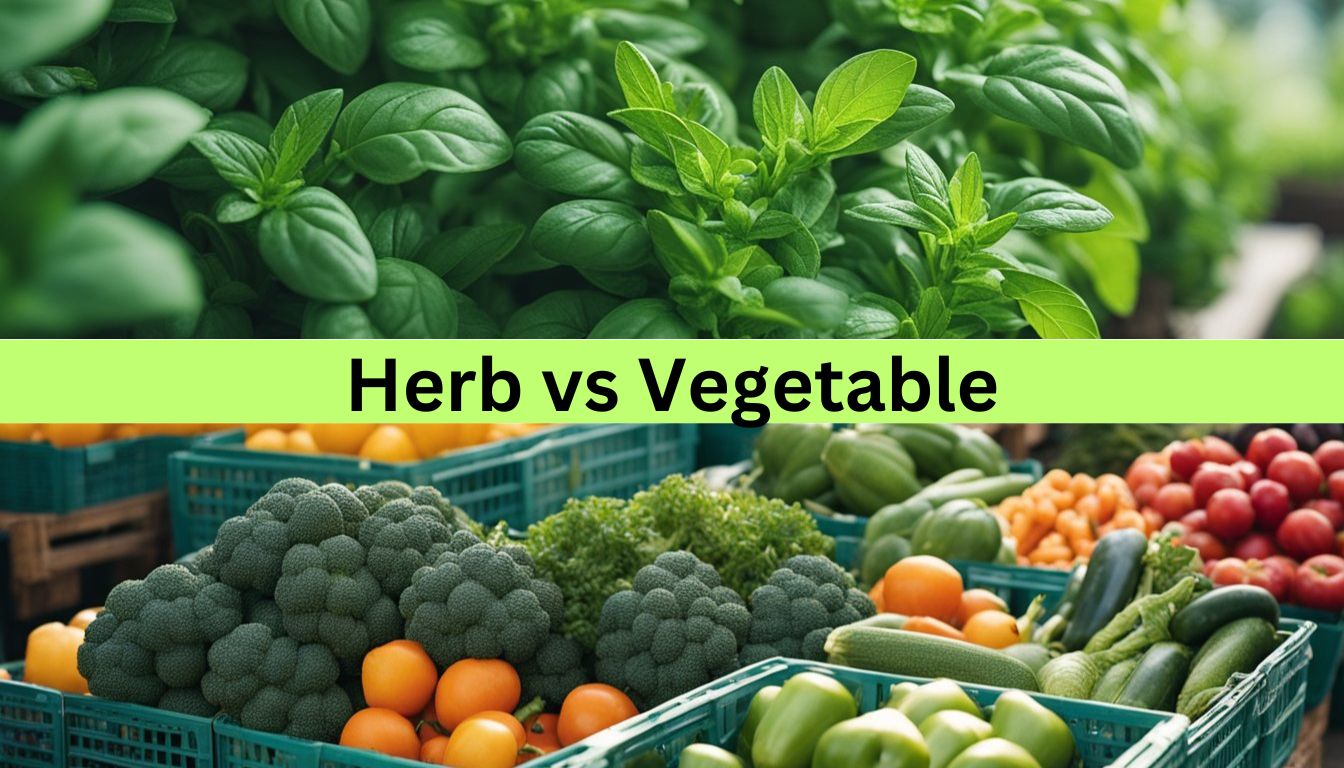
[[48, 553], [1310, 750]]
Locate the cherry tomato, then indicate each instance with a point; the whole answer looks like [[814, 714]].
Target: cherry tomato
[[1211, 478], [1268, 444], [1185, 458], [1209, 547], [1250, 474], [1333, 511], [1219, 451], [1306, 533], [1320, 583], [1336, 483], [1230, 514], [1298, 472], [1174, 501], [591, 708], [481, 743], [1330, 456], [1272, 504]]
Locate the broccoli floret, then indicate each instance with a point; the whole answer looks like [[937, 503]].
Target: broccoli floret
[[327, 595], [556, 670], [277, 684], [249, 549], [478, 601], [259, 609], [677, 629], [148, 645], [406, 533], [793, 612]]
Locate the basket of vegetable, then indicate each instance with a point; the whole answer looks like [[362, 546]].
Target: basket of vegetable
[[518, 480], [783, 712], [31, 734]]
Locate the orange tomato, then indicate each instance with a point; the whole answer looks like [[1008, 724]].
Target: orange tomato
[[428, 726], [974, 601], [481, 743], [875, 594], [992, 630], [84, 618], [541, 736], [503, 718], [74, 435], [17, 433], [339, 438], [476, 685], [251, 429], [4, 675], [267, 440], [591, 708], [930, 626], [299, 441], [390, 444], [381, 730], [49, 659], [399, 676], [431, 751], [923, 586]]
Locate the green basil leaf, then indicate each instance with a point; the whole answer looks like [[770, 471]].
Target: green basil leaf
[[464, 254], [593, 234], [561, 85], [101, 267], [236, 208], [1054, 311], [657, 33], [399, 231], [472, 321], [639, 81], [925, 178], [1113, 263], [338, 321], [857, 96], [798, 253], [119, 138], [143, 11], [575, 155], [684, 248], [780, 113], [899, 213], [395, 132], [809, 303], [871, 316], [432, 36], [966, 192], [209, 73], [653, 171], [655, 126], [1112, 189], [644, 319], [337, 32], [412, 303], [931, 316], [560, 315], [921, 108], [1046, 205], [1060, 92], [314, 245], [990, 232], [239, 160], [301, 130], [45, 82], [190, 170], [33, 30]]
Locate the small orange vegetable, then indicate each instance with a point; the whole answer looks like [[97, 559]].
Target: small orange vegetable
[[931, 626]]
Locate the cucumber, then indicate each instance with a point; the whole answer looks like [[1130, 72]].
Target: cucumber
[[1113, 682], [957, 477], [1236, 647], [1157, 678], [1033, 655], [1194, 623], [991, 490], [1112, 576], [914, 654]]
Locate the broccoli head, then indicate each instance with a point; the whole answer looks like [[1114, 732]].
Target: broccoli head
[[678, 628], [250, 549], [406, 533], [479, 601], [327, 595], [277, 684], [149, 643], [794, 611], [556, 670]]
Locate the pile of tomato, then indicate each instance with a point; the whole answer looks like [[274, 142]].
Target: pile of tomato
[[1273, 517]]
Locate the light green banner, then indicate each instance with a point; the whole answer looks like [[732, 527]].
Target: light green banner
[[1033, 381]]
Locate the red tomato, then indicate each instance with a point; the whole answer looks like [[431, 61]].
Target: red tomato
[[1195, 521], [1268, 444], [1209, 547], [1320, 583], [1185, 458], [1147, 473], [1219, 451], [1250, 474], [1256, 546], [1272, 504], [1330, 456], [1233, 570], [1336, 483], [1211, 478], [1230, 514], [1306, 533], [1174, 501], [1299, 472], [1333, 511]]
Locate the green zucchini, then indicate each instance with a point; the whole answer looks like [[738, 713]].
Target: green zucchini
[[1033, 655], [1194, 623], [914, 654], [1235, 648], [1113, 681], [991, 490], [1112, 576], [1157, 678]]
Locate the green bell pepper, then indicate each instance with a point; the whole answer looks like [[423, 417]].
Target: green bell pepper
[[936, 696], [1028, 723], [951, 732], [883, 738], [790, 459], [870, 470], [708, 756], [807, 705], [755, 712], [898, 693], [959, 530], [994, 753]]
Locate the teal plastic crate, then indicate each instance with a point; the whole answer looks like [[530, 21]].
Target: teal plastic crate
[[520, 480], [1279, 709], [1228, 735], [30, 723], [1105, 735], [108, 734], [37, 477], [1017, 585], [239, 747], [1327, 647]]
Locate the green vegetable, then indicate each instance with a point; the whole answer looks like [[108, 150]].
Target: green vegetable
[[1033, 655], [1235, 648], [1072, 676], [1157, 679], [557, 669], [274, 683], [883, 737], [807, 706], [908, 653], [407, 529], [1112, 576], [1112, 683], [880, 555], [897, 519], [936, 696], [1207, 613], [760, 703], [708, 756], [898, 693], [1026, 722], [990, 490], [128, 656], [976, 450], [677, 628], [789, 456], [958, 530], [870, 471], [994, 753], [794, 612], [950, 733]]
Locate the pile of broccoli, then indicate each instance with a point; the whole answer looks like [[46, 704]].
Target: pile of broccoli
[[793, 612]]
